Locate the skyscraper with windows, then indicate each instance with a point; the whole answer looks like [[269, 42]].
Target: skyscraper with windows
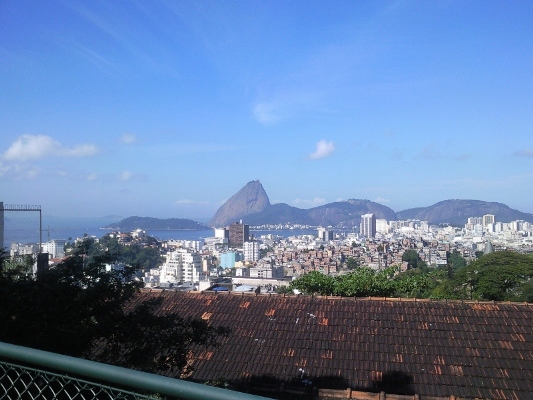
[[251, 250], [238, 234], [368, 225], [488, 219], [324, 234]]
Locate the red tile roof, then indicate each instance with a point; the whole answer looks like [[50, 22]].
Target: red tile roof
[[429, 348]]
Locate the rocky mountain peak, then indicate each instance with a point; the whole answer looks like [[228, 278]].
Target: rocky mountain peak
[[251, 199]]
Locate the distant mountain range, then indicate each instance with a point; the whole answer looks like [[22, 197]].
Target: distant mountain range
[[252, 205], [156, 224], [456, 212]]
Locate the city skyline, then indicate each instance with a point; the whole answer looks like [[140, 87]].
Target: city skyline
[[167, 109]]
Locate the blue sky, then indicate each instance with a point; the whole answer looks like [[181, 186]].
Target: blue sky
[[167, 108]]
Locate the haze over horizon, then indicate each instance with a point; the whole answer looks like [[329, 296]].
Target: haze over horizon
[[167, 109]]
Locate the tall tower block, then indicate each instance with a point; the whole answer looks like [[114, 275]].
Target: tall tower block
[[368, 225]]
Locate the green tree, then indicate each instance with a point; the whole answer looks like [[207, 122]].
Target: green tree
[[501, 276], [455, 260], [413, 259], [314, 282], [78, 309], [351, 263], [496, 276], [284, 290], [365, 282], [414, 283]]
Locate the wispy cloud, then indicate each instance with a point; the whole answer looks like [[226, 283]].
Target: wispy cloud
[[190, 202], [92, 177], [26, 172], [122, 35], [323, 149], [317, 201], [380, 199], [528, 153], [125, 176], [128, 138], [266, 113], [32, 147], [4, 169]]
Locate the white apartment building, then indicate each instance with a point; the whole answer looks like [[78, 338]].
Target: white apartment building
[[266, 272], [488, 219], [18, 249], [368, 225], [251, 251], [182, 265], [382, 226], [242, 272], [55, 248], [196, 245], [138, 233], [324, 234]]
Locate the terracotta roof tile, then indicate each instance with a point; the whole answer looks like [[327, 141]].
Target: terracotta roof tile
[[431, 348]]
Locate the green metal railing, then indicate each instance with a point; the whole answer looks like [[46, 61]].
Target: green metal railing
[[34, 374]]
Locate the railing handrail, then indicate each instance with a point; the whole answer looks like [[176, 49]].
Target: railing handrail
[[122, 377]]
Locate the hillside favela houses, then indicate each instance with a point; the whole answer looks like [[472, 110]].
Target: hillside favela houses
[[332, 347]]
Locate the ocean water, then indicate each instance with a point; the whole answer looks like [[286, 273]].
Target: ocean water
[[24, 228]]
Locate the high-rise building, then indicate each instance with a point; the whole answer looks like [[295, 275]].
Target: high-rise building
[[324, 234], [368, 225], [55, 248], [238, 234], [382, 226], [487, 220], [251, 251], [475, 220]]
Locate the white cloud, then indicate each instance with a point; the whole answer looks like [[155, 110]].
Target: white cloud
[[265, 113], [125, 176], [31, 147], [128, 138], [380, 199], [323, 149], [92, 177], [3, 169], [317, 201], [26, 172], [190, 202], [82, 150]]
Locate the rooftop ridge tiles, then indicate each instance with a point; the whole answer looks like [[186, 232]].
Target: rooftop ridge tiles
[[328, 297]]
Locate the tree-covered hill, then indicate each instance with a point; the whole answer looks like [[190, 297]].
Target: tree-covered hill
[[156, 224]]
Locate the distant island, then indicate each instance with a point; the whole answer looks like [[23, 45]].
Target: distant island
[[156, 224]]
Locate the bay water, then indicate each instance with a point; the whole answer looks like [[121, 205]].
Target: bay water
[[25, 229]]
